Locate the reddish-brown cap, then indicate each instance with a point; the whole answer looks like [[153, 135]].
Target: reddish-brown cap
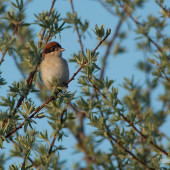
[[51, 46]]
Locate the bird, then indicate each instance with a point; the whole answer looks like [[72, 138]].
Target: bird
[[53, 66]]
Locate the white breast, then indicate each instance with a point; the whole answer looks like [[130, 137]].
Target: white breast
[[53, 68]]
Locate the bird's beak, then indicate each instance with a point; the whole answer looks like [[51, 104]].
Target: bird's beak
[[62, 49]]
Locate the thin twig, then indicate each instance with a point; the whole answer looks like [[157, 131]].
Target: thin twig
[[75, 108], [110, 44], [88, 156], [81, 116], [111, 142], [77, 30], [132, 125], [162, 71], [42, 36], [49, 35], [165, 11], [139, 25], [52, 144], [3, 55], [107, 8], [145, 137], [42, 106], [36, 166], [163, 134], [14, 32], [18, 65], [129, 152], [23, 165], [116, 154], [21, 152], [55, 136]]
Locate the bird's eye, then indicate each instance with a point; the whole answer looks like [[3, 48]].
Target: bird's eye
[[52, 48]]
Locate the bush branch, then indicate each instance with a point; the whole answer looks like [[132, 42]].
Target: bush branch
[[20, 126], [85, 61], [30, 77], [52, 97], [52, 144], [115, 140], [14, 32], [127, 151], [55, 136], [131, 124], [139, 25], [43, 33]]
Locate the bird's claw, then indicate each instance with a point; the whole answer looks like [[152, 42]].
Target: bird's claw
[[65, 84]]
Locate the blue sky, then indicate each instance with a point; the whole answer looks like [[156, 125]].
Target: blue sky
[[118, 67]]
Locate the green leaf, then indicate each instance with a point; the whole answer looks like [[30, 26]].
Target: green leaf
[[27, 154]]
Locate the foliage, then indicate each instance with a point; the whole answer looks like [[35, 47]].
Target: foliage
[[128, 127]]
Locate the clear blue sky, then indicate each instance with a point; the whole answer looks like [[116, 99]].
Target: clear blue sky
[[118, 67]]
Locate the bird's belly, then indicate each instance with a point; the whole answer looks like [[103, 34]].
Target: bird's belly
[[54, 70]]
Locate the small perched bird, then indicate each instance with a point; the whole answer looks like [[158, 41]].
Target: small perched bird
[[53, 66]]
